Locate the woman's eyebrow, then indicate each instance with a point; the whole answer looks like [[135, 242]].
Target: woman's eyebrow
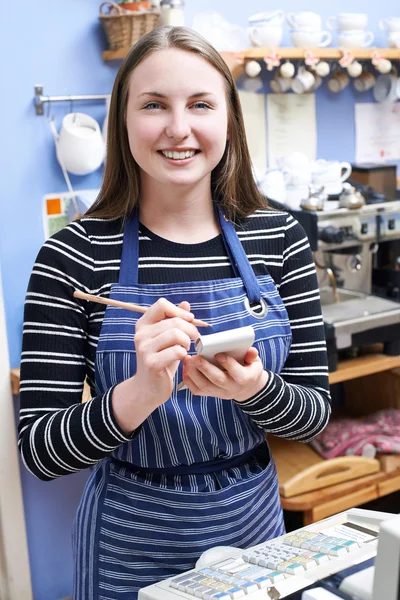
[[159, 95]]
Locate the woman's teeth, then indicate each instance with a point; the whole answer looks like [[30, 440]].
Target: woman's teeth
[[178, 155]]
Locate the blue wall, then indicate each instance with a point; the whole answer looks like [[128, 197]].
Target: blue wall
[[58, 44]]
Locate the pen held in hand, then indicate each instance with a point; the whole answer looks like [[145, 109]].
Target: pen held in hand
[[126, 305]]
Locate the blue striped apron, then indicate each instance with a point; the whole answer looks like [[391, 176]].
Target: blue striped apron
[[198, 473]]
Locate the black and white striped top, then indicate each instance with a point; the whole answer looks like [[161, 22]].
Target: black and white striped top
[[60, 435]]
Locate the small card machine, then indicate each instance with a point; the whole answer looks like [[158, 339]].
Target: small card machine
[[234, 342]]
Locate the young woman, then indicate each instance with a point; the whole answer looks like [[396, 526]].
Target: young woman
[[179, 226]]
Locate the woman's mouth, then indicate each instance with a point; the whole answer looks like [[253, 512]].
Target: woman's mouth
[[178, 156]]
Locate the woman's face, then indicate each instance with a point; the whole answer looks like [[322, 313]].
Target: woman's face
[[177, 120]]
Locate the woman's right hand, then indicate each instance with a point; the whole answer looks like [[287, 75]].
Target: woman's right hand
[[162, 339]]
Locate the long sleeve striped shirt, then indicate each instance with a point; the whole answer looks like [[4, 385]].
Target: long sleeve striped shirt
[[58, 434]]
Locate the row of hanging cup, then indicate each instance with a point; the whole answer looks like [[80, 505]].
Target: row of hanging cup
[[309, 77], [266, 30]]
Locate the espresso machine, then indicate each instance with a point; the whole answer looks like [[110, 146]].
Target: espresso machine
[[346, 245]]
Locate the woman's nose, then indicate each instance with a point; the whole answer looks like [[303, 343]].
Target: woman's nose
[[178, 126]]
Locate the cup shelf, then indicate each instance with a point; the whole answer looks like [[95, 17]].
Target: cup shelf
[[287, 53], [325, 53]]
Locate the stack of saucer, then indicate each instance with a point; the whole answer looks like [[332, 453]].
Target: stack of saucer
[[307, 31], [351, 30], [392, 26]]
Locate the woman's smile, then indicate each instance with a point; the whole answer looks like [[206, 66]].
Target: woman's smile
[[179, 157]]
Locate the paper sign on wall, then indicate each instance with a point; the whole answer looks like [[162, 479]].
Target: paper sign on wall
[[253, 107], [291, 126], [59, 209], [377, 131]]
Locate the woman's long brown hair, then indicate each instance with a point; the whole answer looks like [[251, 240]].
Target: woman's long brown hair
[[232, 182]]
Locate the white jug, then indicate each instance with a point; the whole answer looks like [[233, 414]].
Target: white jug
[[80, 144]]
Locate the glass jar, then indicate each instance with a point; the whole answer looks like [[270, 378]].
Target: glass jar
[[172, 12]]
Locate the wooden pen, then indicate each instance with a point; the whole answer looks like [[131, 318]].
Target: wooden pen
[[126, 305]]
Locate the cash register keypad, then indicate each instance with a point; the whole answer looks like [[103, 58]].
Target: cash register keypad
[[261, 567]]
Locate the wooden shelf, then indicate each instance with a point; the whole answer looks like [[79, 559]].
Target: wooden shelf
[[363, 481], [287, 52], [325, 53], [319, 504], [363, 365]]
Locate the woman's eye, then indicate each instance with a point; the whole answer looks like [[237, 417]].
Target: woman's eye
[[202, 105], [152, 106]]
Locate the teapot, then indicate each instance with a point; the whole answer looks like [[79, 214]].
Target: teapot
[[316, 199], [350, 198]]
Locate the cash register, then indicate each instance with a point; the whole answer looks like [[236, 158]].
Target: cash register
[[352, 555]]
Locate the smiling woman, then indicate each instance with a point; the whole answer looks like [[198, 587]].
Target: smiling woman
[[178, 132], [179, 226]]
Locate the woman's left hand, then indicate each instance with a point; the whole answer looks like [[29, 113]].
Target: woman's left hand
[[231, 381]]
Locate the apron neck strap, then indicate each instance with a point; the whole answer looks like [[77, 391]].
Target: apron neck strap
[[239, 261], [129, 271]]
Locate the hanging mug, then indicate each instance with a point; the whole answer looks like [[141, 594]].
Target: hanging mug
[[80, 146]]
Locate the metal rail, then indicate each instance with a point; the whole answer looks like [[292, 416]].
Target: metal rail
[[40, 100]]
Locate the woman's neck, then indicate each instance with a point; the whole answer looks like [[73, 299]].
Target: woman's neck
[[181, 216]]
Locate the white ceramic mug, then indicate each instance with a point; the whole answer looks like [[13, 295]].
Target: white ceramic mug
[[80, 145], [330, 171], [347, 21], [252, 68], [317, 83], [252, 84], [273, 184], [364, 82], [385, 88], [295, 194], [355, 39], [280, 85], [338, 82], [383, 66], [322, 68], [355, 69], [273, 17], [294, 161], [267, 36], [390, 24], [310, 39], [393, 39], [299, 178], [303, 81], [287, 70], [304, 20]]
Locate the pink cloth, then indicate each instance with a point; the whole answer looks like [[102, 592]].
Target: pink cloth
[[379, 432]]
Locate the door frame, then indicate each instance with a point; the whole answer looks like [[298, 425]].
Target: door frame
[[15, 578]]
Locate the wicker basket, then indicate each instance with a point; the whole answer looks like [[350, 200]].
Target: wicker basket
[[125, 27]]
